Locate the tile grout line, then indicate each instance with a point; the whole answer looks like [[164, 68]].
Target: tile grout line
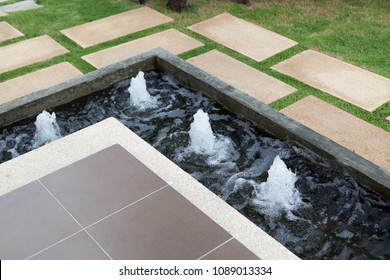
[[219, 246], [123, 208], [82, 228], [85, 228], [54, 244]]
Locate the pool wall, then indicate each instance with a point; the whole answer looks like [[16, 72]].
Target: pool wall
[[191, 77]]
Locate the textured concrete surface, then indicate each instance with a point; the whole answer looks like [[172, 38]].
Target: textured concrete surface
[[235, 73], [20, 6], [2, 14], [67, 150], [345, 81], [109, 28], [28, 52], [38, 80], [244, 37], [345, 129], [7, 31], [171, 40]]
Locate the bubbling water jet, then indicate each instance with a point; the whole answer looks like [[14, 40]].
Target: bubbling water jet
[[47, 129], [139, 96]]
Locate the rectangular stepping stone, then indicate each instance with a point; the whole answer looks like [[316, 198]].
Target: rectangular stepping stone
[[38, 80], [244, 37], [7, 32], [388, 118], [28, 52], [2, 14], [366, 140], [21, 6], [171, 40], [342, 80], [235, 73], [109, 28]]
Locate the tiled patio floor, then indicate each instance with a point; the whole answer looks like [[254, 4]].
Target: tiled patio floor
[[108, 205], [7, 32], [242, 36], [38, 80], [345, 81], [171, 40], [251, 81], [38, 49], [105, 29], [364, 139]]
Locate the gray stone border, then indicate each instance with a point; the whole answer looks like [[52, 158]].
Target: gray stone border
[[233, 99]]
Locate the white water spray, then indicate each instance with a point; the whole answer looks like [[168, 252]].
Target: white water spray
[[139, 96], [47, 129]]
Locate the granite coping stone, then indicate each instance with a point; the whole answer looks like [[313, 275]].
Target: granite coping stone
[[361, 137], [112, 27], [242, 36], [37, 80], [340, 79], [171, 40], [233, 72], [7, 32], [39, 49]]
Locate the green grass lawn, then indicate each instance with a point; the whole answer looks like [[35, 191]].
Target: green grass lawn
[[354, 31]]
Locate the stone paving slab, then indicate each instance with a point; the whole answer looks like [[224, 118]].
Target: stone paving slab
[[366, 140], [38, 80], [171, 40], [7, 32], [28, 52], [109, 28], [244, 37], [20, 6], [235, 73], [2, 14], [345, 81], [388, 118]]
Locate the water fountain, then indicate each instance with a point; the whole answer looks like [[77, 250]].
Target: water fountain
[[47, 129], [139, 96], [338, 217]]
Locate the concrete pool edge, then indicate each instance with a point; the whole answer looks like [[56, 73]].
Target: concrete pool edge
[[74, 147], [233, 99]]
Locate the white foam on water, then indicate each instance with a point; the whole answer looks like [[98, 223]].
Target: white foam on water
[[47, 129], [139, 96], [204, 142], [278, 193]]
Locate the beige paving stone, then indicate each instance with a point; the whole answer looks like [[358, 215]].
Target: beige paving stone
[[345, 81], [171, 40], [244, 37], [28, 52], [38, 80], [388, 118], [109, 28], [235, 73], [2, 14], [7, 31], [347, 130]]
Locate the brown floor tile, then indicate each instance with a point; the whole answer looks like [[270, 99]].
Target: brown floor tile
[[171, 40], [242, 36], [235, 73], [77, 247], [100, 184], [30, 221], [7, 32], [28, 52], [38, 80], [162, 226], [109, 28], [345, 81], [232, 250], [363, 138]]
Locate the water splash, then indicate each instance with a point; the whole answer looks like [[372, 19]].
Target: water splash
[[278, 193], [47, 129], [204, 142], [139, 96]]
